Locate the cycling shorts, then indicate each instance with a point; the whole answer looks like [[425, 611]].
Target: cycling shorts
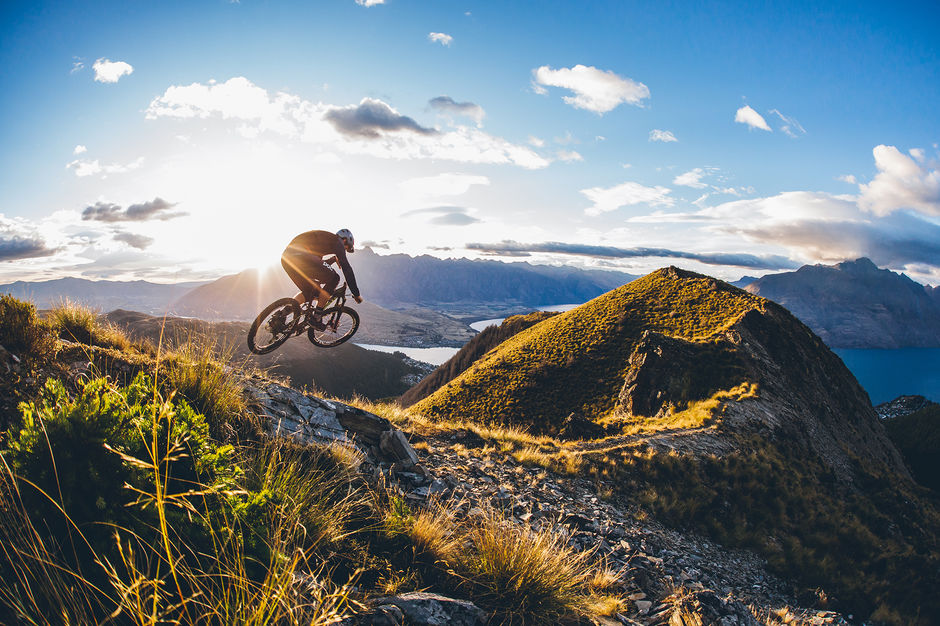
[[308, 270]]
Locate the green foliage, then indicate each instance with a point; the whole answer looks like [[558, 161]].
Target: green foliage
[[574, 362], [917, 437], [26, 350], [80, 453]]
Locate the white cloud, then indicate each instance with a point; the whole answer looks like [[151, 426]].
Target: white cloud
[[79, 149], [747, 115], [369, 3], [78, 64], [447, 184], [569, 156], [692, 178], [595, 90], [371, 128], [535, 141], [828, 228], [93, 168], [664, 136], [442, 38], [107, 71], [848, 178], [901, 183], [789, 125], [629, 193]]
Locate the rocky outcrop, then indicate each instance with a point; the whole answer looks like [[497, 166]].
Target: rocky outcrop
[[309, 419], [666, 373]]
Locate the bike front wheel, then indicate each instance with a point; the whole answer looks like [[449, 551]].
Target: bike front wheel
[[274, 325], [340, 323]]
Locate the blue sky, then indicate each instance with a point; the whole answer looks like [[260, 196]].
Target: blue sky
[[179, 140]]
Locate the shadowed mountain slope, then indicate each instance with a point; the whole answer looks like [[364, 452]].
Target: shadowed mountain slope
[[728, 415], [917, 436], [856, 305]]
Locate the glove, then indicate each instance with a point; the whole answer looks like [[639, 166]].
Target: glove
[[358, 299]]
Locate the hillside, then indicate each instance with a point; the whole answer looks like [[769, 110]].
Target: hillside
[[917, 436], [856, 305], [489, 338], [726, 415], [208, 474], [344, 371]]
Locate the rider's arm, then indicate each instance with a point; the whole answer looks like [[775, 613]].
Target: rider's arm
[[347, 270]]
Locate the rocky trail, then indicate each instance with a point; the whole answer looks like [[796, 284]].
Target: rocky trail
[[669, 577]]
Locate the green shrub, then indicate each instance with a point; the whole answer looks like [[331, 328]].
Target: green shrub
[[80, 454]]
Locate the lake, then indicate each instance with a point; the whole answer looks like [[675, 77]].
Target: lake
[[887, 374]]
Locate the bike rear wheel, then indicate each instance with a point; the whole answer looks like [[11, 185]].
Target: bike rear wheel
[[341, 324], [273, 326]]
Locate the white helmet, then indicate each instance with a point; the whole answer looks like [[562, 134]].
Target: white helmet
[[348, 240]]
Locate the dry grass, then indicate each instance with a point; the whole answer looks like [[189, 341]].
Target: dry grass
[[696, 415], [79, 322], [530, 577]]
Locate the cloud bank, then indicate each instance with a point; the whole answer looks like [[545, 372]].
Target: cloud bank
[[750, 261], [595, 90], [370, 128]]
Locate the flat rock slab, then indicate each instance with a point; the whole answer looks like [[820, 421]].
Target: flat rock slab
[[430, 609]]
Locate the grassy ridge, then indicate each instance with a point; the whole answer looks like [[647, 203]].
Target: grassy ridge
[[575, 362], [488, 339]]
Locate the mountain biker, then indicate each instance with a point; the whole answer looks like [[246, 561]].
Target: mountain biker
[[306, 260]]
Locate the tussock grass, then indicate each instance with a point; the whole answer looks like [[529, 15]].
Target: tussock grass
[[316, 487], [529, 577], [80, 323]]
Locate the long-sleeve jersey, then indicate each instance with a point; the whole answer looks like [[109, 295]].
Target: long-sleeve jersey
[[323, 243]]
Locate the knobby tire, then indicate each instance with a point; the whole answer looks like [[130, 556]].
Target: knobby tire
[[261, 338], [346, 326]]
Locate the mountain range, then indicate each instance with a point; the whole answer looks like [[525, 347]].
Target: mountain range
[[106, 295], [855, 304], [459, 287]]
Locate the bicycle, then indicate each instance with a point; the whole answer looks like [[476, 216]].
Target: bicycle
[[286, 318]]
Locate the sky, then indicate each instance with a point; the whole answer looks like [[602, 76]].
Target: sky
[[172, 141]]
